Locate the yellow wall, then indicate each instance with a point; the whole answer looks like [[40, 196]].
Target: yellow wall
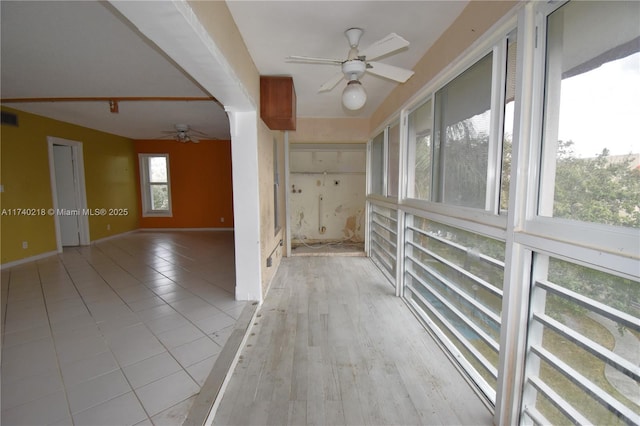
[[109, 177]]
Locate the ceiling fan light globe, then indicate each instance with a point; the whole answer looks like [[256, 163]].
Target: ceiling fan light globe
[[182, 136], [354, 96]]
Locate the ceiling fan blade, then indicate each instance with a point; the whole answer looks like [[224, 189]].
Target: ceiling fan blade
[[313, 60], [198, 133], [389, 44], [332, 82], [390, 71]]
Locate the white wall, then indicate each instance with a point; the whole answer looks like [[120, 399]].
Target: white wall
[[327, 192]]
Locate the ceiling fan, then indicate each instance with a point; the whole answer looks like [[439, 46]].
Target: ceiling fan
[[183, 133], [359, 62]]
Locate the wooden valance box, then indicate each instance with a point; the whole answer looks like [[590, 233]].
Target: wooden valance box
[[278, 102]]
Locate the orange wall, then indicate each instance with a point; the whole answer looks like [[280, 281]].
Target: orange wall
[[201, 185]]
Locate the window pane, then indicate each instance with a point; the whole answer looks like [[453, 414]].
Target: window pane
[[159, 197], [509, 108], [420, 125], [455, 278], [157, 169], [377, 164], [579, 342], [394, 158], [619, 293], [592, 104], [463, 112], [383, 236]]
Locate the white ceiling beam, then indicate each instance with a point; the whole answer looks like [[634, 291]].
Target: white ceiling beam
[[175, 29]]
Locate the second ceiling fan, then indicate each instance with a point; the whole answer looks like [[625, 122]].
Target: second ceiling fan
[[184, 133], [360, 62]]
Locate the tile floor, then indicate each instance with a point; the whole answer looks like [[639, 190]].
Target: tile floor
[[123, 332]]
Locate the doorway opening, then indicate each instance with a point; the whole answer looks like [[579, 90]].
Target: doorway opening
[[327, 199], [68, 192]]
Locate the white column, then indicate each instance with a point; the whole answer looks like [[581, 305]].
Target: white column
[[246, 204]]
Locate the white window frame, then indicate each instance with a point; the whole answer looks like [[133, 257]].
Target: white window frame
[[488, 222], [494, 43], [484, 221], [383, 191], [388, 129], [385, 132], [145, 186], [384, 199], [612, 249], [409, 151]]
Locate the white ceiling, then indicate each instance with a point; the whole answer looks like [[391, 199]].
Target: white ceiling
[[87, 49], [273, 30]]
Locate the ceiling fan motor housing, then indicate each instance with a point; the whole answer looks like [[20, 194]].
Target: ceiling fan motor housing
[[182, 134], [354, 69]]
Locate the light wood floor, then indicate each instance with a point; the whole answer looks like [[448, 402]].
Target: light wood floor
[[332, 345]]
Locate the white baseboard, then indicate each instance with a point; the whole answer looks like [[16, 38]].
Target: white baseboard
[[28, 259], [111, 237], [101, 240]]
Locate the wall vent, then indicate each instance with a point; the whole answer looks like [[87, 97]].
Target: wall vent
[[9, 119]]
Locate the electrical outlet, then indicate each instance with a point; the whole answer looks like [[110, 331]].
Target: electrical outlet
[[25, 245], [108, 227], [222, 219]]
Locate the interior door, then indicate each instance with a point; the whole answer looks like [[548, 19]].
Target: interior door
[[67, 195]]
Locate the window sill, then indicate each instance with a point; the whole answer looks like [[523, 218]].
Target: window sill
[[157, 214]]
